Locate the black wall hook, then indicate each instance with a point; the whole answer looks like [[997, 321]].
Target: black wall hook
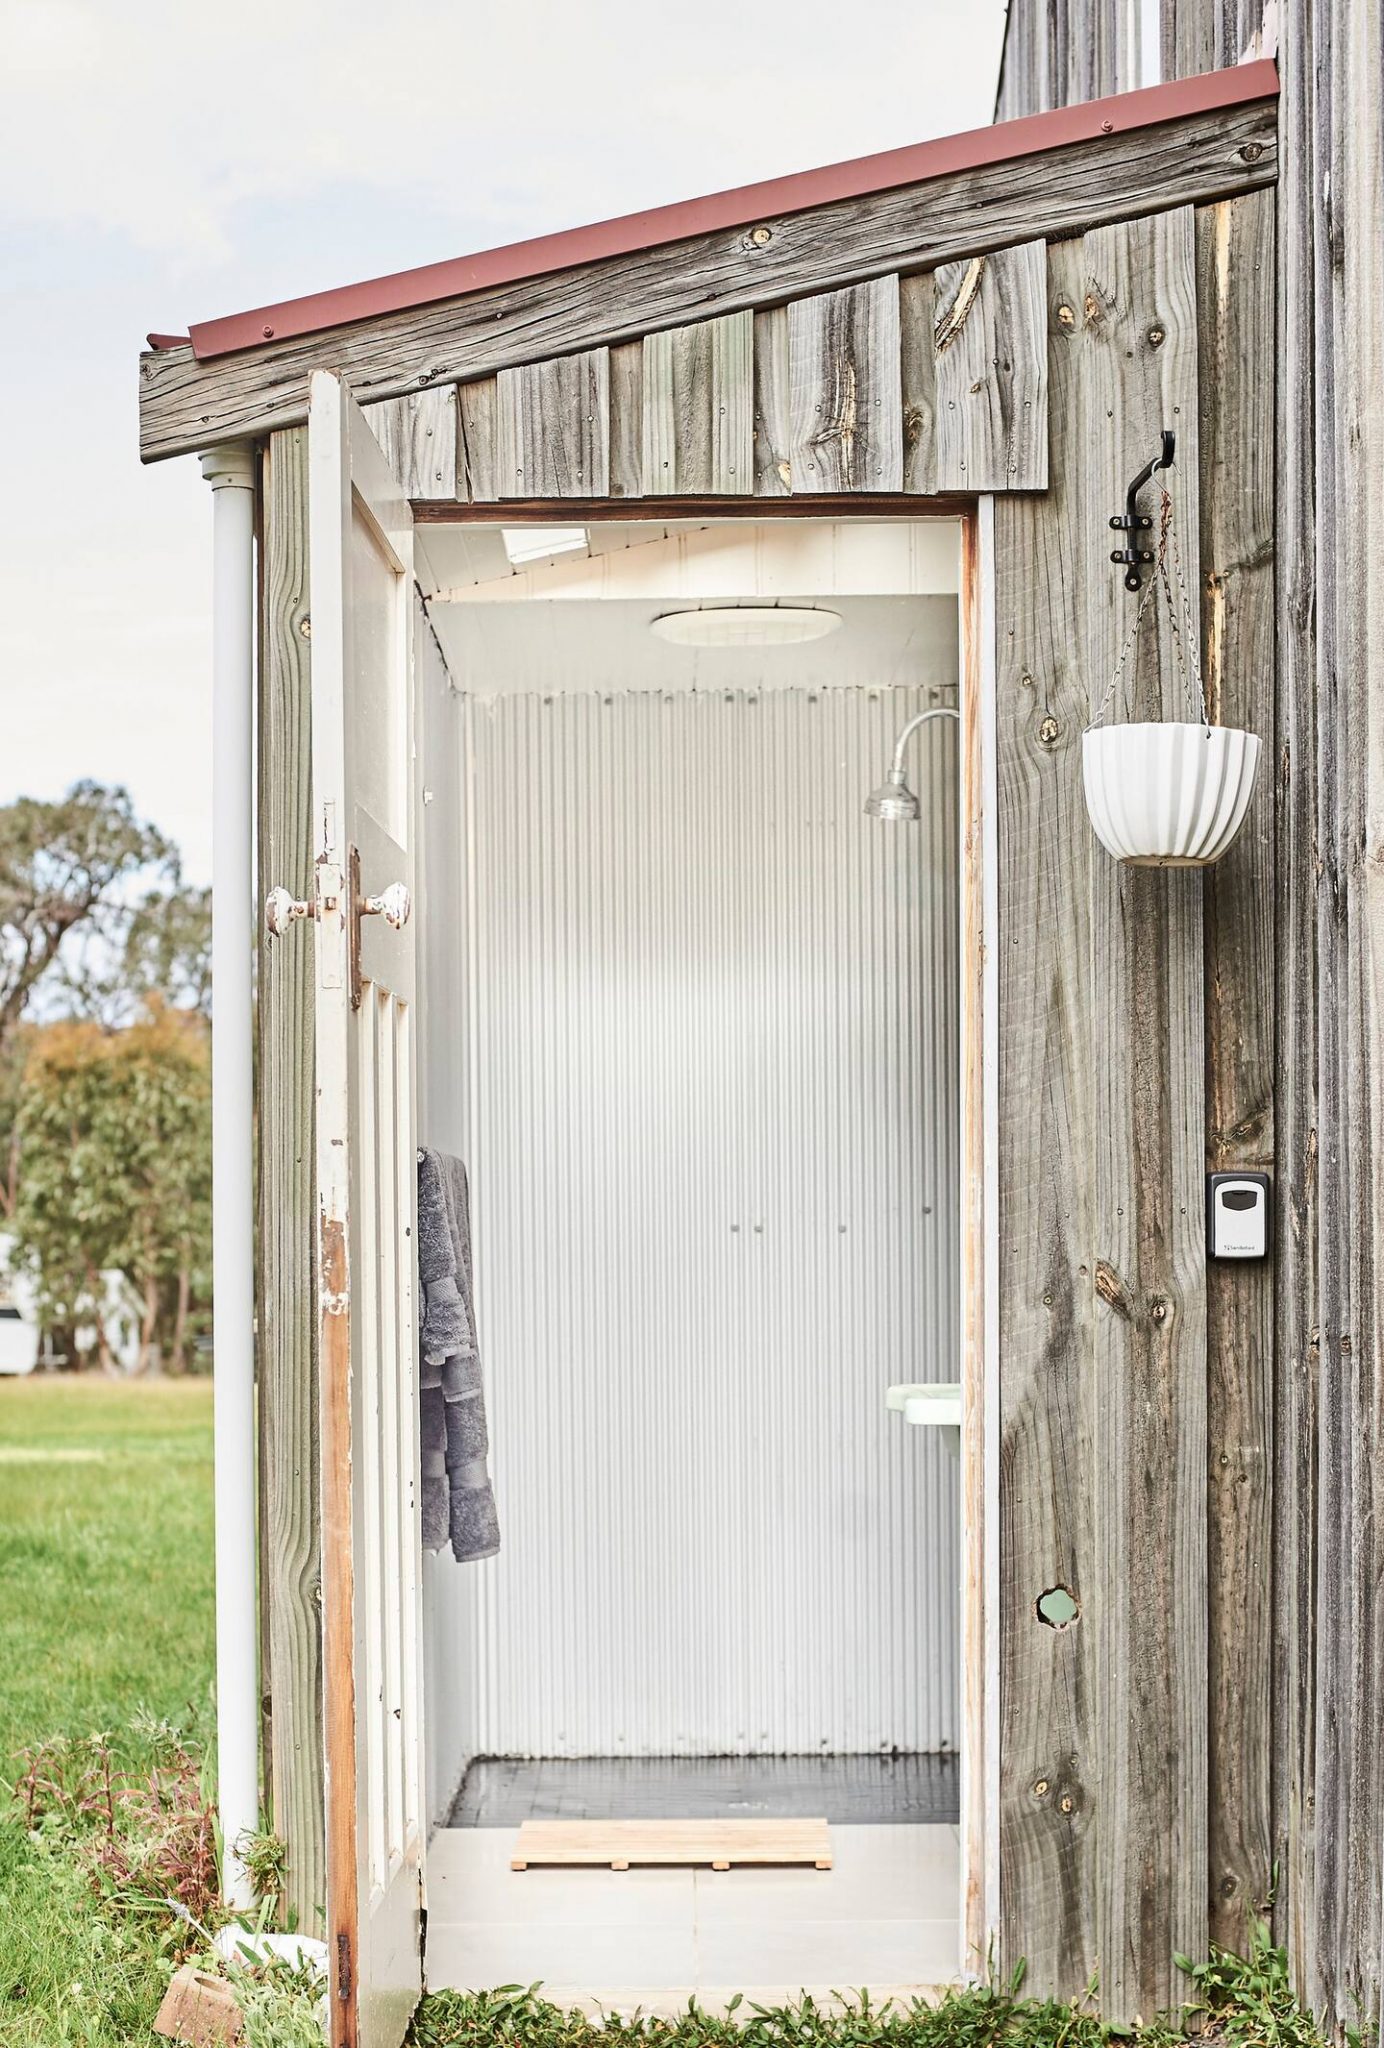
[[1132, 521]]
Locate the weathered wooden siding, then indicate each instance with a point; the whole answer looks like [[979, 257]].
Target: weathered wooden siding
[[697, 392], [419, 434], [1235, 285], [900, 384], [1047, 1676], [990, 351], [186, 405], [1333, 313], [1125, 1379], [286, 1357], [552, 428], [1058, 53], [1293, 1060], [1148, 1421]]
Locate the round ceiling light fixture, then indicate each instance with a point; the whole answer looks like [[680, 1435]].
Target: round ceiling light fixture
[[746, 625]]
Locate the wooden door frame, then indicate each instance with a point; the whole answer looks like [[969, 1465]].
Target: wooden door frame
[[980, 1362], [979, 1091]]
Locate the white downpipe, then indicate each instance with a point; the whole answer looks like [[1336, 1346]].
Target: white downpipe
[[231, 473]]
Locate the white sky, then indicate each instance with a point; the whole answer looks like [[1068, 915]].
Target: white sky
[[165, 163]]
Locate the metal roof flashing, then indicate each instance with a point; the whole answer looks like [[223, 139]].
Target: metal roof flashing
[[743, 207]]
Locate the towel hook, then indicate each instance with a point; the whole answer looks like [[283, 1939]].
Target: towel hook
[[1132, 521]]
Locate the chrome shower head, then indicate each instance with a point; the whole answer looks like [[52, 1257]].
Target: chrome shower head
[[894, 801]]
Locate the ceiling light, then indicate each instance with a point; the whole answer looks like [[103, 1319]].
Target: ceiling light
[[535, 543], [746, 625]]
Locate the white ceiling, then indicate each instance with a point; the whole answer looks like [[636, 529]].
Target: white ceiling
[[605, 644], [580, 622]]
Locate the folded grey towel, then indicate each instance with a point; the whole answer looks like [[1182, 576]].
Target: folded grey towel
[[435, 1501], [467, 1437], [453, 1392], [460, 1376], [444, 1325], [475, 1524]]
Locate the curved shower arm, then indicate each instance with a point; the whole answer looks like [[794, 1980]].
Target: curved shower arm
[[937, 711]]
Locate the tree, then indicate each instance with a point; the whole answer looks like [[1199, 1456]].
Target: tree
[[67, 867], [163, 953], [114, 1137]]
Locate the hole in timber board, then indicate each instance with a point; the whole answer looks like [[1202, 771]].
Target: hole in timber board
[[1056, 1608]]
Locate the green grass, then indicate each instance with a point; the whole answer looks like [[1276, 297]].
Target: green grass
[[105, 1610], [106, 1625]]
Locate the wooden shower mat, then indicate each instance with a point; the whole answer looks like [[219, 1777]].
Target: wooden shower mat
[[619, 1844]]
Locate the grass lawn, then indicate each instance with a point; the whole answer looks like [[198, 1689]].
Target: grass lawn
[[105, 1610]]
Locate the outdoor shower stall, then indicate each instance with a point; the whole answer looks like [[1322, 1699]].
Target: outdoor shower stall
[[691, 1019], [769, 1105]]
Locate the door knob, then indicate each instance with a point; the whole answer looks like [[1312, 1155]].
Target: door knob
[[392, 904], [281, 910]]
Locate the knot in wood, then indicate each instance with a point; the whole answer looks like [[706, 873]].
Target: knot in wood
[[1159, 1311], [1065, 316], [761, 237], [1252, 152], [1049, 732], [1157, 337]]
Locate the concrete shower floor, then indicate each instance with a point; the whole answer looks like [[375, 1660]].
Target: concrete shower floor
[[907, 1790], [885, 1917]]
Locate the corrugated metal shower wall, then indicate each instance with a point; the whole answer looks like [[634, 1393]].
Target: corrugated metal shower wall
[[715, 1160]]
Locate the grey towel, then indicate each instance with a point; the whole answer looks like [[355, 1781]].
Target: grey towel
[[475, 1524], [468, 1441], [445, 1327], [458, 1499], [436, 1501]]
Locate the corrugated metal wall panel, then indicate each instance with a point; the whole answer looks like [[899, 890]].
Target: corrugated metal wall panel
[[444, 1101], [715, 1163]]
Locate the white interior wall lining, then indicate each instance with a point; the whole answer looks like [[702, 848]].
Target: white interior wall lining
[[444, 1097], [709, 1020]]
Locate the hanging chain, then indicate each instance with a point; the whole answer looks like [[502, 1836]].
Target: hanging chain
[[1189, 638], [1186, 638]]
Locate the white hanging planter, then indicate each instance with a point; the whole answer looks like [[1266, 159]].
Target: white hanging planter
[[1168, 796]]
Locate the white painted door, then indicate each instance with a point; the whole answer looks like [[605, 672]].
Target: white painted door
[[361, 564]]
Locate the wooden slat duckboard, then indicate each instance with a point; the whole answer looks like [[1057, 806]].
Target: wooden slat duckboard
[[721, 1843]]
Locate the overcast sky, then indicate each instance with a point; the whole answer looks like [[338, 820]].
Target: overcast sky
[[164, 163]]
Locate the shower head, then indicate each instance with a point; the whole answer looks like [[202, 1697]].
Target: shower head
[[894, 801]]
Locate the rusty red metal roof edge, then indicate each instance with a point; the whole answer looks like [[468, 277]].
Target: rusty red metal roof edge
[[743, 207]]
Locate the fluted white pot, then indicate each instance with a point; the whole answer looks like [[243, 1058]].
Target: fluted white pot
[[1168, 796]]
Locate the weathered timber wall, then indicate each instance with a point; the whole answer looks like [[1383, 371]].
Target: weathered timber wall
[[1134, 1386], [290, 1518], [1293, 1389], [1058, 53], [1332, 651], [919, 385]]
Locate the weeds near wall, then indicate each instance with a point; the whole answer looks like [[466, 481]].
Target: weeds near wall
[[1241, 2001], [135, 1814]]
